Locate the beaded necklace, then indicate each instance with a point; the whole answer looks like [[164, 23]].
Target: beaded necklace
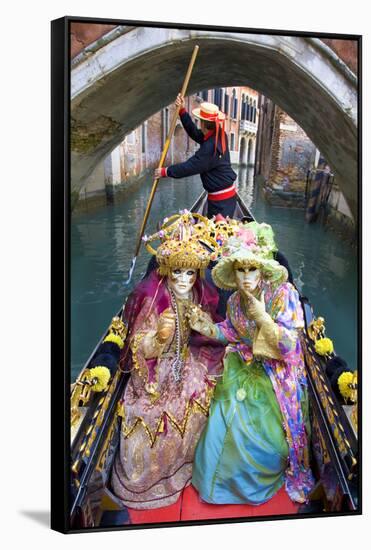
[[178, 363]]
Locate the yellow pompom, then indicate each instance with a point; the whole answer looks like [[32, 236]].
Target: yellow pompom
[[115, 338], [102, 375], [343, 382], [324, 346]]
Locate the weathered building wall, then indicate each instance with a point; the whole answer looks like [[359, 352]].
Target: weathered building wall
[[285, 152], [84, 34], [347, 50], [130, 155], [293, 154], [284, 155], [154, 144], [95, 184]]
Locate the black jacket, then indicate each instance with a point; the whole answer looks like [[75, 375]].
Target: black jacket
[[214, 168]]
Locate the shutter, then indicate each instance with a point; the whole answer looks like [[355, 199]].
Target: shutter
[[226, 103]]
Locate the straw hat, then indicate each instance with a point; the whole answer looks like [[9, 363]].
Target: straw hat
[[207, 111], [237, 253]]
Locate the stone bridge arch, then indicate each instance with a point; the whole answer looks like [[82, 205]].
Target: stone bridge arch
[[133, 72]]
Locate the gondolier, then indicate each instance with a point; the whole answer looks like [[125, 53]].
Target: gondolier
[[211, 161]]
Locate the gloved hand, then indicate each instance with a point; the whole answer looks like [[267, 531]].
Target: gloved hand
[[165, 327], [200, 322], [265, 343], [256, 309]]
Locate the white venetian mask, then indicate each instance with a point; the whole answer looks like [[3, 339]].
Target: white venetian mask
[[247, 278], [181, 281]]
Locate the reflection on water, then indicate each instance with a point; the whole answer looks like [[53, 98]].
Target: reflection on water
[[245, 184], [103, 242]]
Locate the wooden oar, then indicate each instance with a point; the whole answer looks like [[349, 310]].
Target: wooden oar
[[162, 160]]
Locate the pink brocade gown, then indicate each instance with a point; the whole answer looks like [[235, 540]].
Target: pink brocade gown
[[159, 433]]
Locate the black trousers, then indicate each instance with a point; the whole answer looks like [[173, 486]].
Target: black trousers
[[225, 207]]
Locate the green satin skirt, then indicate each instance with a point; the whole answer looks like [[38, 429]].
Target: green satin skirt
[[242, 454]]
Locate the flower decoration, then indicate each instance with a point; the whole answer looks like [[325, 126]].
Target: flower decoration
[[324, 346], [102, 376], [247, 236], [344, 382], [115, 338]]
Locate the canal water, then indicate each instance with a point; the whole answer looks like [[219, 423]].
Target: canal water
[[103, 242]]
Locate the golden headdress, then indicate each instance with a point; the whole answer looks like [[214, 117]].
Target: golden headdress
[[185, 242]]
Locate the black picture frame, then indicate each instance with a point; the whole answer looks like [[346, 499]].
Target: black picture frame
[[60, 269]]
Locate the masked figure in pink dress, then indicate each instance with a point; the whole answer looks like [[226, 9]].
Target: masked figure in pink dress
[[166, 401]]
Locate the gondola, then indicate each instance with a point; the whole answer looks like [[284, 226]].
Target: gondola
[[96, 429]]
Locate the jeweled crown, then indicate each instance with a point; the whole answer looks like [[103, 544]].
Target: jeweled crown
[[185, 242]]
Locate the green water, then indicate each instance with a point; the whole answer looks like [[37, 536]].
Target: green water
[[103, 242]]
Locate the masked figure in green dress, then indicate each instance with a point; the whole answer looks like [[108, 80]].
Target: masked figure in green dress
[[256, 438]]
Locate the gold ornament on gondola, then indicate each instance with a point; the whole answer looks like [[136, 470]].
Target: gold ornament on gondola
[[185, 243], [354, 398], [316, 331], [316, 328], [94, 380], [118, 327]]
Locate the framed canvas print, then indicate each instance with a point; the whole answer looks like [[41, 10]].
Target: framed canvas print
[[206, 234]]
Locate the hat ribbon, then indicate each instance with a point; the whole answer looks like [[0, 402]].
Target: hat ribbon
[[220, 124], [209, 116]]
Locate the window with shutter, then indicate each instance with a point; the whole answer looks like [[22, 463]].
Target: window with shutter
[[226, 104], [220, 93]]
